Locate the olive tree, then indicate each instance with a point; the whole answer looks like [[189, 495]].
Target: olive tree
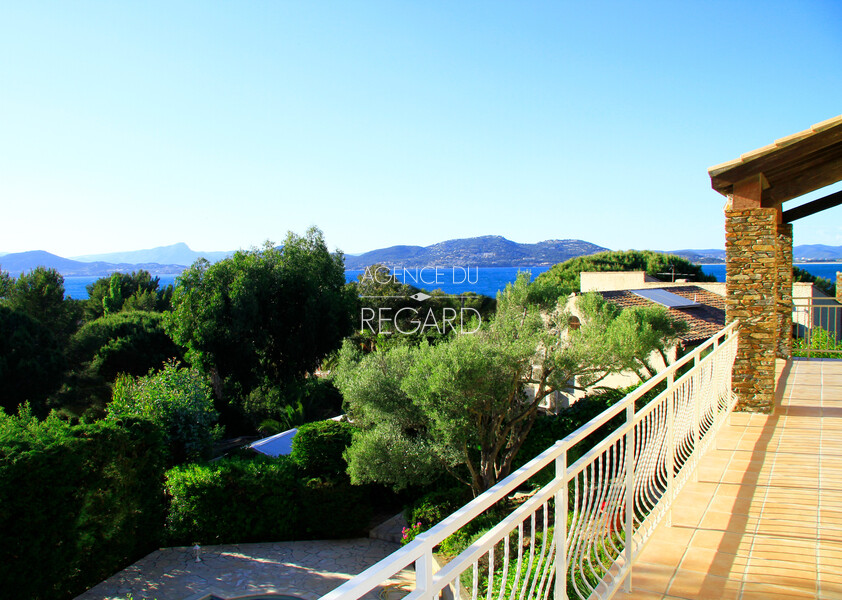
[[467, 405]]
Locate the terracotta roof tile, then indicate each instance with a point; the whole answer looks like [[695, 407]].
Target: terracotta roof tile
[[702, 321]]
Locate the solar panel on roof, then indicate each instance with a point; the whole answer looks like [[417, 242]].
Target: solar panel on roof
[[665, 298]]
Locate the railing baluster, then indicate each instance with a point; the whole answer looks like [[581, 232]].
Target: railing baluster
[[670, 444], [561, 526], [630, 441], [424, 573], [622, 488]]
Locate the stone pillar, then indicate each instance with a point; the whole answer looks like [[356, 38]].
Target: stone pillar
[[752, 284], [838, 286], [783, 296]]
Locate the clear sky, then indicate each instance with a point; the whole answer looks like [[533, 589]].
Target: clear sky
[[223, 124]]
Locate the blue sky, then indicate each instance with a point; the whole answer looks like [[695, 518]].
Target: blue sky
[[132, 125]]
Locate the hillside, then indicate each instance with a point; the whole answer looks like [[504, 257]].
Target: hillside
[[485, 251], [19, 262], [174, 254]]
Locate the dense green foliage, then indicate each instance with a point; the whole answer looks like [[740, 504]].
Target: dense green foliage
[[31, 361], [291, 403], [333, 508], [433, 507], [317, 448], [40, 295], [126, 291], [77, 503], [821, 343], [825, 285], [7, 282], [262, 317], [130, 342], [176, 399], [467, 405], [563, 278], [232, 500], [235, 500]]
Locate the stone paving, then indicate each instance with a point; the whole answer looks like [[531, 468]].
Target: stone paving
[[306, 570]]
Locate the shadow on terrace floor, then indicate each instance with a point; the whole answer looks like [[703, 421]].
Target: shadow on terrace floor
[[764, 519]]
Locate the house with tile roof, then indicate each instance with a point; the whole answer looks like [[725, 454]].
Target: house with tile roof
[[701, 305]]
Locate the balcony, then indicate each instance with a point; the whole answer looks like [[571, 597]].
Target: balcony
[[764, 519], [715, 504]]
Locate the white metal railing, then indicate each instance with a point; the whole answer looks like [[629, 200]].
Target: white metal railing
[[817, 327], [579, 535]]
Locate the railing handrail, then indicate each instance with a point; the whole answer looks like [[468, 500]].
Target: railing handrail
[[424, 543]]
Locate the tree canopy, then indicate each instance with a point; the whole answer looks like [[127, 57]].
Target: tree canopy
[[268, 315], [825, 285], [467, 404], [31, 361], [40, 295], [138, 290]]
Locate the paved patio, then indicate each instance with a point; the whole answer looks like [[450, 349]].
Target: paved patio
[[305, 570], [764, 519]]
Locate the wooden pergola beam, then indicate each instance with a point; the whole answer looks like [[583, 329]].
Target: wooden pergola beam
[[792, 166], [811, 208]]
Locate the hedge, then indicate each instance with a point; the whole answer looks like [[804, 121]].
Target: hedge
[[77, 503], [232, 500], [317, 448], [304, 496]]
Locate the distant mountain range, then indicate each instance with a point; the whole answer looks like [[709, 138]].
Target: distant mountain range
[[485, 251], [18, 262], [175, 254]]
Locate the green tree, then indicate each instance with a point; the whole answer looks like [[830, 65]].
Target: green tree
[[262, 317], [117, 292], [40, 294], [7, 282], [178, 400], [130, 342], [825, 285], [563, 278], [467, 405], [112, 302], [31, 361]]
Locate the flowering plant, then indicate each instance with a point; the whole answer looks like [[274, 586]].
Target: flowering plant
[[408, 533]]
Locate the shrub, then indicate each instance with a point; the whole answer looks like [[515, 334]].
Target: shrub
[[820, 339], [232, 500], [333, 509], [129, 342], [433, 507], [317, 448], [31, 361], [293, 402], [178, 400], [77, 503]]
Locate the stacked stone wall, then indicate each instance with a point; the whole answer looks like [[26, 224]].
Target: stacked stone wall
[[783, 295], [751, 249]]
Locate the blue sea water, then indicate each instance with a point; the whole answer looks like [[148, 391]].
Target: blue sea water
[[482, 280], [826, 270]]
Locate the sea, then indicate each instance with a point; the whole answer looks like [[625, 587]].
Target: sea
[[481, 280]]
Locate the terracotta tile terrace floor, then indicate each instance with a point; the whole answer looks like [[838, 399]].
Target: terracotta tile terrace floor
[[764, 519]]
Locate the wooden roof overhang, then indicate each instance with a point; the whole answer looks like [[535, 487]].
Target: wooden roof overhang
[[788, 168]]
